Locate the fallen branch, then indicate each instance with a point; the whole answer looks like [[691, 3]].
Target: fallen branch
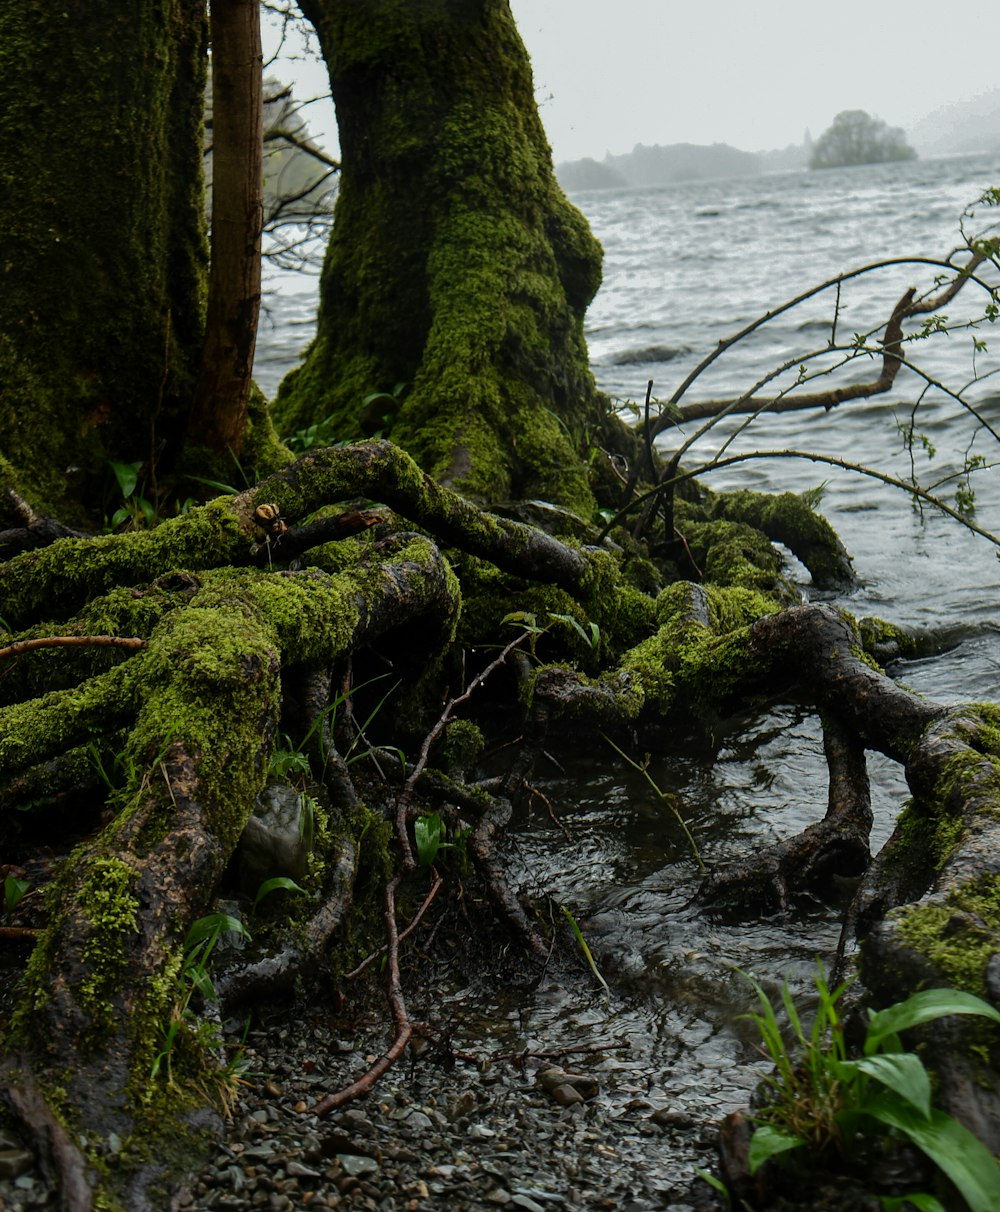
[[72, 641], [397, 1006]]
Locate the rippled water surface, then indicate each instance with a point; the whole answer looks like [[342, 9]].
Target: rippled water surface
[[686, 266]]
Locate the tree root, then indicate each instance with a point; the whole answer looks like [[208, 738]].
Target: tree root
[[811, 861]]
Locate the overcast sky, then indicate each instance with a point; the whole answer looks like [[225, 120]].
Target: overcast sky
[[752, 73]]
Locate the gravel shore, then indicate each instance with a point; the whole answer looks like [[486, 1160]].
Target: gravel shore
[[437, 1132]]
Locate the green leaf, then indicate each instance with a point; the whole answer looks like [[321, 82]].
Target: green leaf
[[213, 923], [203, 983], [273, 884], [767, 1142], [13, 891], [901, 1072], [716, 1184], [918, 1199], [526, 618], [429, 832], [923, 1007], [127, 475], [587, 954], [950, 1145]]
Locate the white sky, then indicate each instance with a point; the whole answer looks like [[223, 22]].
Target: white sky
[[751, 73]]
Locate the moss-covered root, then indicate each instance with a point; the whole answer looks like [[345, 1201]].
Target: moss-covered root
[[102, 982], [945, 856], [697, 658], [719, 649], [57, 580], [790, 519]]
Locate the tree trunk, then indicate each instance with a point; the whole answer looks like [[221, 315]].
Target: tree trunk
[[457, 267], [101, 109], [220, 412]]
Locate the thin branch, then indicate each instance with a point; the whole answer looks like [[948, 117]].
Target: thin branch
[[414, 923], [303, 145], [73, 641], [892, 359], [400, 1016], [965, 275], [402, 804], [911, 489]]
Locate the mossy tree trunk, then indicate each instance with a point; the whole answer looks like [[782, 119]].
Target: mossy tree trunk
[[456, 266], [101, 312]]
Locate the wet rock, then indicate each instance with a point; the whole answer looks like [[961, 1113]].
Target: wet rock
[[15, 1162], [356, 1165], [567, 1087], [274, 841]]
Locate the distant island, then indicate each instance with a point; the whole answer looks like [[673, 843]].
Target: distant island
[[857, 138], [972, 126]]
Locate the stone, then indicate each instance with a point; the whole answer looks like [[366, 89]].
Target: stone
[[355, 1165], [273, 841], [14, 1162]]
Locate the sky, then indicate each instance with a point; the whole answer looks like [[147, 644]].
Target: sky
[[752, 73]]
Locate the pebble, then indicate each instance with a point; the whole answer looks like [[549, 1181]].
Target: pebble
[[429, 1138]]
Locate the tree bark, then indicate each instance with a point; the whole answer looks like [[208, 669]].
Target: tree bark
[[101, 112], [457, 267], [220, 410]]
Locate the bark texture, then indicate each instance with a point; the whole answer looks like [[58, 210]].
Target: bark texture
[[457, 267], [220, 407], [101, 312]]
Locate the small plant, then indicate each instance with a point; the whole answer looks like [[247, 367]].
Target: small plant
[[528, 622], [192, 978], [275, 883], [829, 1104], [582, 942], [14, 891], [429, 833], [136, 512], [286, 759], [311, 436], [379, 409], [121, 773]]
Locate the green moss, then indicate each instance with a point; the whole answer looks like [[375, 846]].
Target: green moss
[[462, 744], [790, 519], [926, 837], [44, 727], [475, 297], [737, 554], [885, 641], [705, 664], [58, 580], [109, 902], [104, 241], [959, 934]]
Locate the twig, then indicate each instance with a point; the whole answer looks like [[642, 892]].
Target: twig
[[370, 959], [403, 803], [19, 933], [73, 641], [401, 1019], [533, 790]]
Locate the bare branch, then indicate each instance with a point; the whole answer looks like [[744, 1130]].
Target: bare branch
[[72, 641]]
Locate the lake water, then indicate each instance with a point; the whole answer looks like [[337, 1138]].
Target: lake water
[[685, 266]]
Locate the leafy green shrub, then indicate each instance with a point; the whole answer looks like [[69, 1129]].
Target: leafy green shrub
[[829, 1104]]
